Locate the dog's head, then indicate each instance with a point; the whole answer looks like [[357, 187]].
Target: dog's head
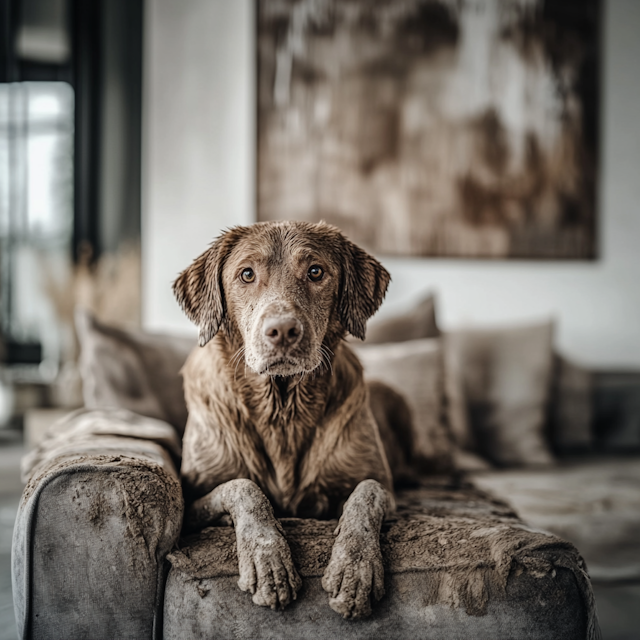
[[281, 290]]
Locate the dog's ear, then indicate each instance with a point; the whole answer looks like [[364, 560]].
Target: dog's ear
[[199, 290], [364, 284]]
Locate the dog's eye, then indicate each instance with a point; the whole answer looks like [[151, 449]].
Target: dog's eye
[[315, 273], [248, 276]]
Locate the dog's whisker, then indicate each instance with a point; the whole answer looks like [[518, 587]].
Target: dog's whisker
[[238, 354], [325, 357], [237, 357], [322, 362], [326, 350], [238, 360]]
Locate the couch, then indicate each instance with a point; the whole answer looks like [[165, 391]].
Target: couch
[[485, 548]]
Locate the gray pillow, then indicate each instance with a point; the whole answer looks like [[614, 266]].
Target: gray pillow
[[571, 408], [505, 375], [418, 322], [415, 370], [133, 370], [616, 411]]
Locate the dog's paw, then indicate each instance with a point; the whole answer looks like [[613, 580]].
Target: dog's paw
[[266, 567], [354, 575]]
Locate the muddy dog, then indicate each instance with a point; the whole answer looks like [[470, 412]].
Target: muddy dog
[[278, 410]]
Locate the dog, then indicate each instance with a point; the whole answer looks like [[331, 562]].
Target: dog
[[279, 420]]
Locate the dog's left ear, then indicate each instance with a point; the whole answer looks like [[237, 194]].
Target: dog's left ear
[[199, 290], [364, 284]]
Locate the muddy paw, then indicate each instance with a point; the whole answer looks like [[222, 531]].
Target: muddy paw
[[266, 567], [354, 576]]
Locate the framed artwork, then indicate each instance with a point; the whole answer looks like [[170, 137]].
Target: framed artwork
[[442, 128]]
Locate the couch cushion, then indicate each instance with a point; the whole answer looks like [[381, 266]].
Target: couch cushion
[[419, 321], [458, 565], [415, 370], [133, 370], [616, 400], [571, 407], [505, 376], [593, 503]]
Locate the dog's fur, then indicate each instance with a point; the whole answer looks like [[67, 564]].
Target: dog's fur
[[278, 409]]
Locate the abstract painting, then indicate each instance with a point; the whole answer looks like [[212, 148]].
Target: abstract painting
[[443, 128]]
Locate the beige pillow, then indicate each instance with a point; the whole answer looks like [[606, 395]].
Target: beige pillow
[[463, 460], [505, 376], [418, 322], [133, 370], [415, 370]]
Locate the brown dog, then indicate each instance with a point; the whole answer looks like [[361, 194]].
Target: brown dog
[[278, 410]]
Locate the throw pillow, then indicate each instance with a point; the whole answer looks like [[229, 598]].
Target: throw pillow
[[418, 322], [133, 370], [415, 370], [571, 409], [505, 375], [616, 411]]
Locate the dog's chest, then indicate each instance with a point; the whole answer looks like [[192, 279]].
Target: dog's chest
[[285, 444]]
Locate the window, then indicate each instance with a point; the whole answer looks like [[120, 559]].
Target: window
[[36, 211]]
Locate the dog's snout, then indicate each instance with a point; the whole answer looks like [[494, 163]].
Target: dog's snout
[[282, 332]]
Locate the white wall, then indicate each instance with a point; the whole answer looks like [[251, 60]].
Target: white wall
[[199, 178], [198, 138]]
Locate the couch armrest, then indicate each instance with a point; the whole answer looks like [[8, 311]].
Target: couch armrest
[[91, 537]]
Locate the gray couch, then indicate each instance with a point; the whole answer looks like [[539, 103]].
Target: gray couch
[[98, 554], [97, 549]]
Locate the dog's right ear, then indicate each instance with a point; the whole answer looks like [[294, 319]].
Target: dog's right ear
[[199, 290]]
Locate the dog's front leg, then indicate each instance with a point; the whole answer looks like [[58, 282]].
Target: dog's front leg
[[355, 573], [264, 557]]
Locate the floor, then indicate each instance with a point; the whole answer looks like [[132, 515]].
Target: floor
[[11, 450], [8, 510], [619, 610], [618, 604]]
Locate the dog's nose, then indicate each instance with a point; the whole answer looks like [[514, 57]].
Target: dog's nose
[[282, 332]]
